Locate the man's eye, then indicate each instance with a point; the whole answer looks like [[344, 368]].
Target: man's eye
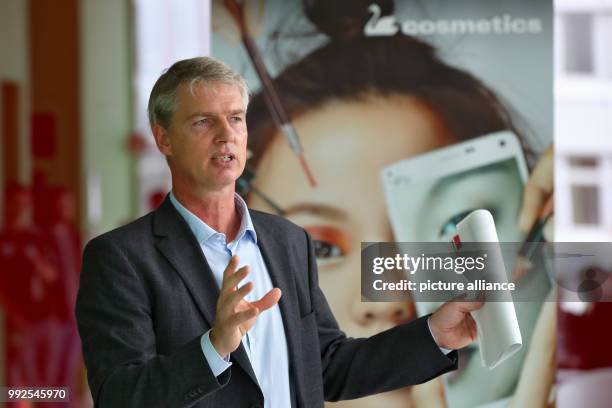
[[237, 119], [326, 250], [203, 122]]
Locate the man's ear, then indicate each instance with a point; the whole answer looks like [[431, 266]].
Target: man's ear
[[162, 139]]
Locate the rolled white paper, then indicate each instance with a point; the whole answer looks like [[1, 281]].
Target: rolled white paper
[[499, 334]]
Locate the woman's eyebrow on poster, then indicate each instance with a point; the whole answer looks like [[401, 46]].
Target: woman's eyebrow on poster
[[451, 180], [444, 190], [318, 209]]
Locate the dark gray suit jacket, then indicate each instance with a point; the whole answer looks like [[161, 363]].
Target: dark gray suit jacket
[[147, 295]]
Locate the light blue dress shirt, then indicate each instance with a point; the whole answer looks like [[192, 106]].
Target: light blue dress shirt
[[265, 343]]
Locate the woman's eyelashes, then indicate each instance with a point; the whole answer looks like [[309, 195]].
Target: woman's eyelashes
[[330, 243], [326, 250]]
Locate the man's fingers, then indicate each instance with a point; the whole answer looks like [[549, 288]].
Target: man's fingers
[[231, 267], [268, 300], [467, 306], [243, 316], [471, 306], [231, 281], [471, 326], [235, 297]]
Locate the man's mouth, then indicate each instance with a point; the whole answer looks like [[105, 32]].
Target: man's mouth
[[224, 158]]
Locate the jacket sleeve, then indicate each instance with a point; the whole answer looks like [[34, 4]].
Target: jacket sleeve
[[118, 338], [356, 367]]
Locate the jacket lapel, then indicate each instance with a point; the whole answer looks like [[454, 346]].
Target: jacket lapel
[[178, 244]]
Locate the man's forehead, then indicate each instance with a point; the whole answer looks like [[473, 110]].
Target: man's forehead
[[208, 97], [201, 88]]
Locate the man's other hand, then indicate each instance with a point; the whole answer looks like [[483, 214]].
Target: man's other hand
[[452, 326], [235, 316]]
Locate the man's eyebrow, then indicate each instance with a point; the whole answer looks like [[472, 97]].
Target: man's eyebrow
[[231, 113], [317, 209], [196, 114]]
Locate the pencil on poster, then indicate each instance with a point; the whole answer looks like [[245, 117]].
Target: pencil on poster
[[271, 96]]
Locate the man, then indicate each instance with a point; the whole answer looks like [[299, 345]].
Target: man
[[163, 318]]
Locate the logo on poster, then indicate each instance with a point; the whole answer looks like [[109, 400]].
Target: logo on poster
[[379, 25]]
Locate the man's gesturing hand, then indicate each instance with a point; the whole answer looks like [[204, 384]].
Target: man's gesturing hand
[[452, 326], [235, 316]]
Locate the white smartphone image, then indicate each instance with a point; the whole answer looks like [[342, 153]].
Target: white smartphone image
[[429, 194]]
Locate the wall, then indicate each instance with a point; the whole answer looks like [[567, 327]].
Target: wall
[[106, 46]]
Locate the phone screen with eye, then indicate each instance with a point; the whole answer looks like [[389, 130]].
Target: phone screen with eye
[[427, 195]]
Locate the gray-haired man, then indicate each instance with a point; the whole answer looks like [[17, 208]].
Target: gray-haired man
[[162, 317]]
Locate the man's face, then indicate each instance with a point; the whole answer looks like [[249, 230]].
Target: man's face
[[207, 137]]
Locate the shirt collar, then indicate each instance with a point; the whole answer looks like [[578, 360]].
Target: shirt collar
[[203, 231]]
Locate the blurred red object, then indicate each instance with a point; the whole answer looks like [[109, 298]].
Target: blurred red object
[[44, 135], [137, 143], [63, 246], [38, 283], [584, 338], [156, 198], [26, 271]]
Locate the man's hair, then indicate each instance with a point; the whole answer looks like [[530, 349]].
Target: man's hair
[[162, 101]]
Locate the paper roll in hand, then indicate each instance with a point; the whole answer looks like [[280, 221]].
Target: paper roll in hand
[[499, 335]]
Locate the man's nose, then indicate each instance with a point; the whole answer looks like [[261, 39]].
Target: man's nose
[[383, 313], [226, 133]]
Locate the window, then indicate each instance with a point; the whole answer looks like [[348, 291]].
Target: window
[[585, 204], [584, 162], [578, 42]]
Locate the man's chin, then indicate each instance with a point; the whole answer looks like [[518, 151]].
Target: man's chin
[[225, 183]]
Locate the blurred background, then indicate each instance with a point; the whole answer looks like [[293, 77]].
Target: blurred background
[[583, 189], [583, 126], [77, 159]]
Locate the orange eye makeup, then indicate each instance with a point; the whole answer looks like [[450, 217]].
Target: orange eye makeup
[[329, 241]]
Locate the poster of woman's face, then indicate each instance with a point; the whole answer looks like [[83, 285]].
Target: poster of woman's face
[[364, 84]]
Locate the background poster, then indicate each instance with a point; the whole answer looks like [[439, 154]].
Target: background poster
[[370, 83]]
